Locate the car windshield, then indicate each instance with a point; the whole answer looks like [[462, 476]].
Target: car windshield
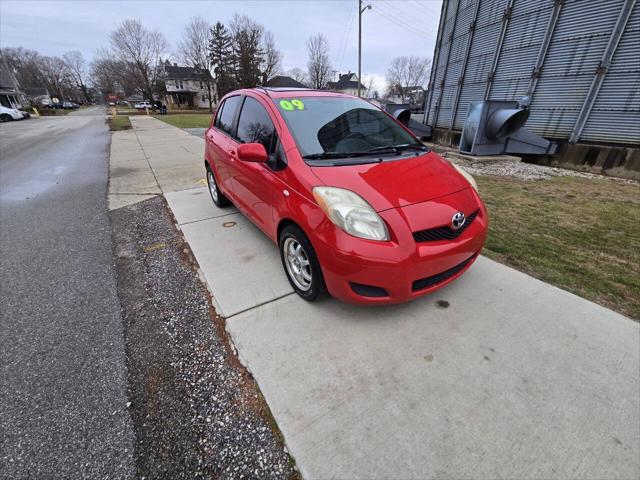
[[329, 128]]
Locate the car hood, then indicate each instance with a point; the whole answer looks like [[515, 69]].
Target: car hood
[[396, 183]]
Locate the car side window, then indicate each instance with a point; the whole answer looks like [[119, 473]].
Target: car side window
[[216, 123], [255, 125], [228, 113]]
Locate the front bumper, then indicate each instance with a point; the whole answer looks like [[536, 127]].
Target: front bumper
[[368, 272]]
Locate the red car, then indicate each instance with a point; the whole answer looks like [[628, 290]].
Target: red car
[[358, 206]]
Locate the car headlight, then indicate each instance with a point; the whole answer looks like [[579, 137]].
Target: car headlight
[[466, 175], [350, 212]]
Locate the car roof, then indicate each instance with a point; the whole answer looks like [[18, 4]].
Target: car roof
[[284, 92]]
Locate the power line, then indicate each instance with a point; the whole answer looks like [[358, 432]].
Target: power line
[[415, 12], [399, 21], [420, 5], [392, 13], [346, 36]]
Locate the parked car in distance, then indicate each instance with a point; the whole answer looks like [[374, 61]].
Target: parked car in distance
[[143, 106], [70, 105], [357, 205], [10, 114]]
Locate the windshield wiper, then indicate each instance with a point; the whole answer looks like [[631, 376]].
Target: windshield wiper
[[327, 155], [398, 148], [379, 150], [319, 156], [343, 162]]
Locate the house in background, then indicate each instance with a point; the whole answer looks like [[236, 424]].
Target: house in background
[[282, 81], [38, 96], [133, 99], [413, 95], [11, 95], [347, 83], [186, 87]]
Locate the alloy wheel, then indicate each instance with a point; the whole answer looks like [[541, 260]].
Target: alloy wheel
[[213, 188], [297, 263]]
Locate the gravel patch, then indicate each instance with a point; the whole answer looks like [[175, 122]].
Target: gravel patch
[[197, 132], [197, 412], [508, 166]]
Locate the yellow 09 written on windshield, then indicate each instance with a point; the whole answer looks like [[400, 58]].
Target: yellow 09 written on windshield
[[293, 104]]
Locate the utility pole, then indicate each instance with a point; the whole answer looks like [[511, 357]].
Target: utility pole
[[361, 10]]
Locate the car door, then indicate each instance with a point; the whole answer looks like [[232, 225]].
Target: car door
[[219, 142], [254, 183]]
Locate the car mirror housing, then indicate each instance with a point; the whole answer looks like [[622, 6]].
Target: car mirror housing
[[252, 152]]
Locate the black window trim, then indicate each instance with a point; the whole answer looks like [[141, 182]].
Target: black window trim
[[271, 166], [234, 122], [214, 121], [275, 128]]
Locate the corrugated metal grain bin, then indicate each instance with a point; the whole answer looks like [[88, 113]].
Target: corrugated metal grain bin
[[578, 60]]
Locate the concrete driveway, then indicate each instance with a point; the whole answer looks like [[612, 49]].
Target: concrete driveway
[[498, 375]]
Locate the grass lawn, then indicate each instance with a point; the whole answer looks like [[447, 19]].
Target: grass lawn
[[579, 234], [126, 111], [186, 120], [120, 122]]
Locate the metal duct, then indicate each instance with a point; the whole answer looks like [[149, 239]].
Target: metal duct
[[504, 122], [496, 127]]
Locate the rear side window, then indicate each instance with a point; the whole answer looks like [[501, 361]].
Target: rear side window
[[216, 122], [255, 125], [225, 120]]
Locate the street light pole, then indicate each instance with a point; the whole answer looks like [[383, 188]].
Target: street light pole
[[360, 12]]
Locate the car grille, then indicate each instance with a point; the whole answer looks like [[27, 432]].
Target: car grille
[[445, 232], [440, 277]]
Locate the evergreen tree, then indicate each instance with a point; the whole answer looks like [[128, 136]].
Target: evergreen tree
[[222, 59], [249, 55]]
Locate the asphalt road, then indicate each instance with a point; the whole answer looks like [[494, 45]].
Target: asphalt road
[[63, 401]]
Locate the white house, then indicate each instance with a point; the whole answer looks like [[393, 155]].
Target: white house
[[347, 83], [187, 87]]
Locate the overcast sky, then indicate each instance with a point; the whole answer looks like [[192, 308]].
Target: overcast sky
[[390, 28]]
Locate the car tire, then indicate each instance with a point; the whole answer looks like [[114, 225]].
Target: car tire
[[219, 198], [301, 264], [5, 117]]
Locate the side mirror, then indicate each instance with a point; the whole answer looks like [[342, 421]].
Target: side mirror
[[252, 152]]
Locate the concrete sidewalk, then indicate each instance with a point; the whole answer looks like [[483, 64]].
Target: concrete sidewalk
[[153, 158], [498, 375]]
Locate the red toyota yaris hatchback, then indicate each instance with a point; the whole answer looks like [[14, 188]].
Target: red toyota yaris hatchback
[[356, 204]]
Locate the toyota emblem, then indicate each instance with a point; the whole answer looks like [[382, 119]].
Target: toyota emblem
[[457, 220]]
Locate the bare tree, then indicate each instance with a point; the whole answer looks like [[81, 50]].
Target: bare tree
[[368, 82], [139, 50], [26, 65], [318, 65], [195, 40], [272, 57], [194, 52], [57, 76], [405, 73], [106, 74], [77, 68], [298, 75]]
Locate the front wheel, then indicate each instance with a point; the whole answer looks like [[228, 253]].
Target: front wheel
[[217, 196], [5, 117], [301, 264]]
